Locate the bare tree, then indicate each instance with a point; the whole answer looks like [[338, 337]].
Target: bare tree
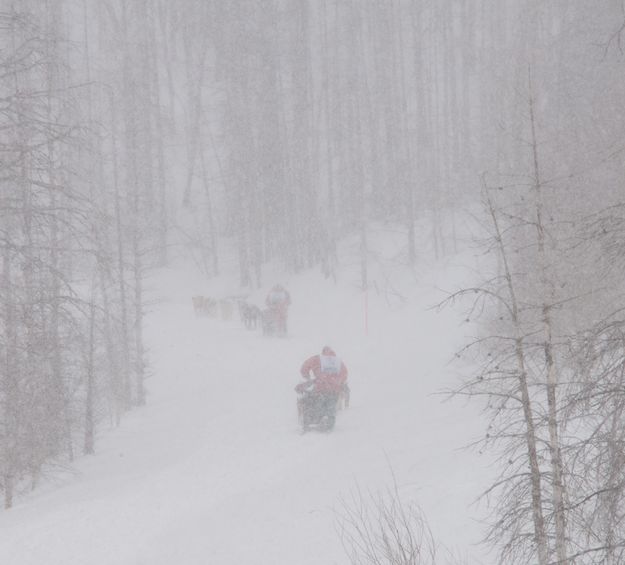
[[504, 380]]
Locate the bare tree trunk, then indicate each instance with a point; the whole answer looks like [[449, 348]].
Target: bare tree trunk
[[552, 375], [212, 231], [138, 303], [167, 56], [540, 535], [10, 400], [88, 448], [331, 216], [124, 400], [614, 480], [163, 210], [406, 156], [59, 387]]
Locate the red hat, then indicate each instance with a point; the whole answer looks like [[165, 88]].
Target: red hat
[[327, 350]]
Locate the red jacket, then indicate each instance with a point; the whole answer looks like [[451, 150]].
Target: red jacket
[[278, 299], [329, 372]]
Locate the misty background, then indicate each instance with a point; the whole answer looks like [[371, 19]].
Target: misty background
[[278, 138]]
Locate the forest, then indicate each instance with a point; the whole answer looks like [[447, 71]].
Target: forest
[[270, 131]]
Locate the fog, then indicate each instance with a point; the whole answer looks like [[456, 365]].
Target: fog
[[430, 180]]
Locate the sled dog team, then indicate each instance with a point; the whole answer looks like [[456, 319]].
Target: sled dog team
[[324, 389], [272, 319]]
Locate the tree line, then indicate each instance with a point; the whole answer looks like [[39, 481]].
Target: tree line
[[130, 129], [548, 309], [77, 198]]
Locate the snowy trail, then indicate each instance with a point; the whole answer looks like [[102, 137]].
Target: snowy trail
[[214, 470]]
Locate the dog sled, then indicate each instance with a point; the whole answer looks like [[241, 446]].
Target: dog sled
[[317, 410]]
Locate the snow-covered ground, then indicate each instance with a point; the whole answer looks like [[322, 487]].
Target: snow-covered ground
[[214, 470]]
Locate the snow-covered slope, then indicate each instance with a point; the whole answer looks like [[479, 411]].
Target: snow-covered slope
[[214, 471]]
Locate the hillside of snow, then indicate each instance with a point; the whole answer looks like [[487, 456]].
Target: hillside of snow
[[214, 469]]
